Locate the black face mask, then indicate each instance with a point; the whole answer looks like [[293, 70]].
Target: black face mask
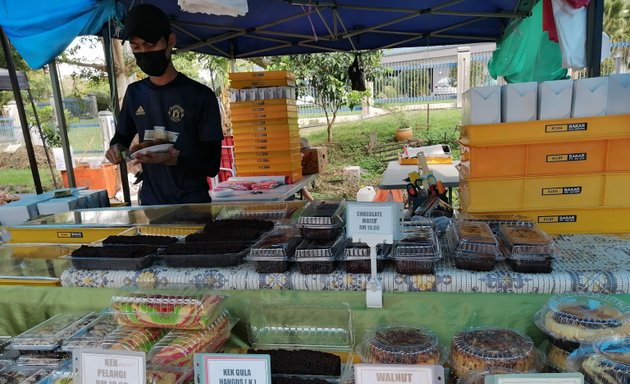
[[152, 63]]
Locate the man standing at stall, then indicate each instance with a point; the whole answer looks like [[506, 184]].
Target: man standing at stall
[[166, 107]]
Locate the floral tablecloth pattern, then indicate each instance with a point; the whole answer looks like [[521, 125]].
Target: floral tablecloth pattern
[[593, 263]]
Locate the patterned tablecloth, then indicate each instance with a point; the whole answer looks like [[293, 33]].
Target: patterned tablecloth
[[596, 263]]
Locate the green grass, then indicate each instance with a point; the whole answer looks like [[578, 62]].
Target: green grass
[[21, 180]]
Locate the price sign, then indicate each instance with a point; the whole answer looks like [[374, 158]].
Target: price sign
[[537, 378], [381, 220], [220, 368], [398, 374], [106, 367]]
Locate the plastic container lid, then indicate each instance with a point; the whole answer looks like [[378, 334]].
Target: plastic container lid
[[400, 344], [524, 241], [168, 375], [301, 327], [240, 212], [133, 339], [92, 335], [323, 214], [45, 360], [484, 349], [361, 251], [419, 243], [584, 317], [497, 219], [607, 360], [62, 374], [278, 245], [320, 249], [192, 312], [556, 357], [472, 236], [50, 334], [178, 347]]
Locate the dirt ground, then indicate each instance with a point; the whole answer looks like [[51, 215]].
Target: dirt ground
[[19, 158]]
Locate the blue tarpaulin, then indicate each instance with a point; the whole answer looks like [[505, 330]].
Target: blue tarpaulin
[[41, 29]]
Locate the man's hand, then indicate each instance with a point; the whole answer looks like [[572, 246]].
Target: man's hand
[[114, 154], [167, 158]]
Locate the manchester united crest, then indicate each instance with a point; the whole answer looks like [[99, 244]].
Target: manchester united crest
[[176, 113]]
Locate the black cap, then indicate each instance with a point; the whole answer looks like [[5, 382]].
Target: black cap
[[147, 22]]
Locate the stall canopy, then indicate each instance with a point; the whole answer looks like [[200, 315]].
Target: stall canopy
[[42, 29]]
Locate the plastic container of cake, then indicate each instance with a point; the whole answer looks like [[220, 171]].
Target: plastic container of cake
[[62, 374], [191, 312], [400, 344], [319, 256], [91, 335], [489, 349], [15, 374], [129, 258], [326, 328], [272, 213], [471, 236], [41, 359], [132, 339], [178, 347], [520, 241], [150, 240], [49, 335], [356, 257], [555, 358], [272, 253], [569, 320], [322, 220], [205, 255], [532, 264], [607, 360], [494, 221], [168, 375]]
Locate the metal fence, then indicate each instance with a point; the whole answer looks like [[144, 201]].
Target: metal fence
[[9, 133], [618, 62], [86, 139]]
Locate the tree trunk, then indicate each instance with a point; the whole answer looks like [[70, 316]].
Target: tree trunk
[[122, 78], [330, 126]]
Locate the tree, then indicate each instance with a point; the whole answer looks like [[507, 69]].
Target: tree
[[617, 26], [327, 75]]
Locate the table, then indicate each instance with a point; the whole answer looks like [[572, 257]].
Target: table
[[280, 193], [585, 263], [395, 173]]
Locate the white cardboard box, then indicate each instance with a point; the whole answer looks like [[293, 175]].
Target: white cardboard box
[[519, 102], [63, 204], [482, 105], [618, 94], [17, 212], [554, 99], [590, 96]]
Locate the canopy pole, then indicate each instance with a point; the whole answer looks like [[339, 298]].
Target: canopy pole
[[41, 134], [594, 29], [61, 120], [26, 132], [111, 75]]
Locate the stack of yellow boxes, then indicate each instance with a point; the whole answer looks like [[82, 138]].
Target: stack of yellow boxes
[[265, 124], [568, 175]]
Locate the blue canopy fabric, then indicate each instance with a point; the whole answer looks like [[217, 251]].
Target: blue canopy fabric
[[41, 29], [284, 27]]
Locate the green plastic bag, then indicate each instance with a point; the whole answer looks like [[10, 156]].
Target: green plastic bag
[[525, 52]]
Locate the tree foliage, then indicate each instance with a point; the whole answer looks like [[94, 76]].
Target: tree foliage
[[327, 75]]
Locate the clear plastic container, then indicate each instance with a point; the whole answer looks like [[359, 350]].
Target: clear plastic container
[[192, 312], [157, 241], [488, 349], [253, 212], [556, 358], [133, 339], [318, 249], [178, 347], [205, 255], [272, 253], [41, 359], [474, 261], [421, 242], [400, 344], [225, 226], [15, 374], [131, 257], [470, 236], [225, 235], [494, 221], [301, 365], [322, 220], [531, 264], [273, 326], [168, 375], [356, 257], [92, 335], [49, 335], [606, 361], [569, 320], [520, 241], [317, 265], [62, 374]]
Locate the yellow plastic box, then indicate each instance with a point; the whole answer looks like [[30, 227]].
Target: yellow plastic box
[[291, 146], [288, 134], [561, 158], [261, 79], [585, 220], [294, 175], [274, 160], [65, 235], [544, 192], [289, 113], [255, 104], [242, 144], [545, 131]]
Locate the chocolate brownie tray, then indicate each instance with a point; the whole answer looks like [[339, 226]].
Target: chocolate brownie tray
[[113, 257], [158, 241], [272, 253], [49, 335], [23, 375], [356, 257], [205, 254], [322, 220], [92, 335]]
